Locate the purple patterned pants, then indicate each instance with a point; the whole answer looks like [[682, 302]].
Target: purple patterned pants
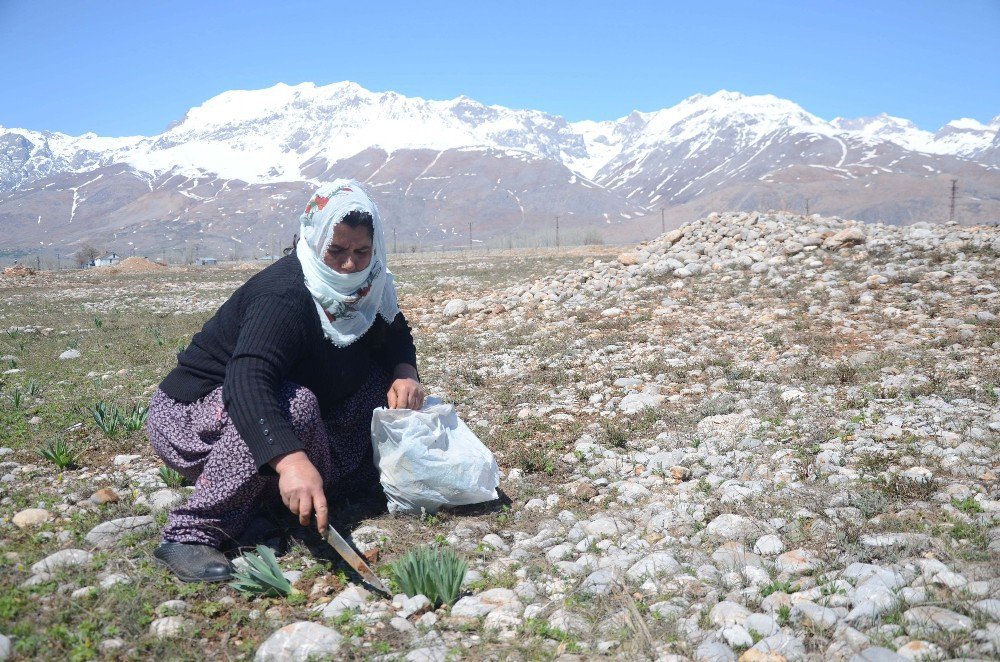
[[200, 441]]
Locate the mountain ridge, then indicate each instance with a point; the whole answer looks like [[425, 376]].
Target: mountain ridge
[[438, 160]]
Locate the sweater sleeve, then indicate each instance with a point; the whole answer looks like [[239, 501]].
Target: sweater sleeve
[[398, 346], [270, 343]]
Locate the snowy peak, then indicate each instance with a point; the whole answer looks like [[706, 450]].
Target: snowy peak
[[270, 135]]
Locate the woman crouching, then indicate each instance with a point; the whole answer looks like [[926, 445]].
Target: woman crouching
[[274, 396]]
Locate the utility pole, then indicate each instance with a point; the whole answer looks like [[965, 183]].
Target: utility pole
[[663, 223], [807, 206], [394, 248], [470, 235], [954, 188], [58, 261], [557, 231]]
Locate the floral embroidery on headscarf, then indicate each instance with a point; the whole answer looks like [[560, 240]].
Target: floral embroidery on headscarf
[[319, 201]]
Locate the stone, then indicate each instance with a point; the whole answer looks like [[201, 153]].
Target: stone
[[797, 562], [895, 541], [768, 545], [61, 560], [777, 646], [633, 403], [921, 651], [732, 527], [814, 615], [170, 626], [418, 604], [728, 613], [653, 565], [455, 307], [737, 636], [165, 500], [989, 608], [352, 597], [601, 582], [171, 607], [103, 496], [427, 654], [877, 654], [5, 647], [108, 534], [31, 517], [476, 606], [299, 642], [927, 619], [714, 651], [762, 624], [679, 473], [70, 354], [114, 579]]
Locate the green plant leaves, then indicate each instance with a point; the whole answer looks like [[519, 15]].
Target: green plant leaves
[[434, 572], [262, 575]]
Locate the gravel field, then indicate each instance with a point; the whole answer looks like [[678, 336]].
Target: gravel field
[[761, 436]]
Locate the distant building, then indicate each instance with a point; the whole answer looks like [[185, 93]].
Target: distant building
[[207, 261], [270, 258], [107, 260]]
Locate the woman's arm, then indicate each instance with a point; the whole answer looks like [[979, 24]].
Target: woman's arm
[[270, 343], [398, 355]]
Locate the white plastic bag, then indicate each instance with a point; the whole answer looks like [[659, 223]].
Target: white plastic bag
[[429, 458]]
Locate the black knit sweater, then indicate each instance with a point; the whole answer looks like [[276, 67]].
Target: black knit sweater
[[268, 332]]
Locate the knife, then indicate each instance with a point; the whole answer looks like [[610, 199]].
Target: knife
[[354, 560]]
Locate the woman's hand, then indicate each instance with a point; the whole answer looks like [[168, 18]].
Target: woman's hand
[[301, 488], [406, 392]]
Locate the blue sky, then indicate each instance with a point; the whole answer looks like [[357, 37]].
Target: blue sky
[[131, 67]]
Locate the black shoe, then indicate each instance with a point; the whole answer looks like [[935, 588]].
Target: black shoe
[[194, 563]]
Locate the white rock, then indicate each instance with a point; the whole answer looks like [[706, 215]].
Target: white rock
[[108, 534], [728, 613], [66, 558], [653, 565], [928, 619], [455, 307], [732, 527], [70, 354], [170, 626], [797, 562], [475, 606], [813, 615], [633, 403], [769, 545], [30, 517], [569, 622], [780, 644], [990, 607], [714, 651], [299, 642], [352, 597]]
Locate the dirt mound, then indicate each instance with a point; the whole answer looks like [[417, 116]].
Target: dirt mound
[[18, 271], [138, 264]]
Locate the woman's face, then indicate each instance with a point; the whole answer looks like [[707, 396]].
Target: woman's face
[[350, 250]]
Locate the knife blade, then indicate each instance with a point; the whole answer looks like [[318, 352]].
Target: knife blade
[[354, 560]]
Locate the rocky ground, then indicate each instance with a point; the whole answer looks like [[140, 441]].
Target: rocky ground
[[760, 436]]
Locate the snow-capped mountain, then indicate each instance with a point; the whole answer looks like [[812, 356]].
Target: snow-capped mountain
[[243, 158]]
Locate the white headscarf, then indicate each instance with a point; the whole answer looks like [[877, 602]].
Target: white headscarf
[[346, 303]]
